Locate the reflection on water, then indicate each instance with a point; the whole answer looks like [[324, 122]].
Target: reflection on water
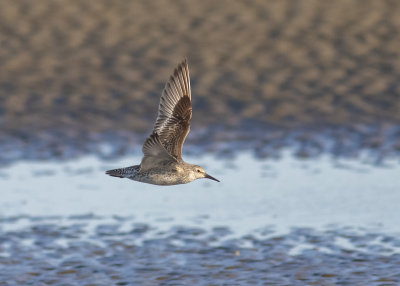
[[279, 221]]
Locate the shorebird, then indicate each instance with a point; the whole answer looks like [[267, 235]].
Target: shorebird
[[162, 163]]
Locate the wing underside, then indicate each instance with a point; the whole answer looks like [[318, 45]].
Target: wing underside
[[155, 155], [175, 111]]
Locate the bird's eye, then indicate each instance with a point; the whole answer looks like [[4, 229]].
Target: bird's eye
[[198, 170]]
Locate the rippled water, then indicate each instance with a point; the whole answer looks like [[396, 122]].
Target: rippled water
[[284, 222]]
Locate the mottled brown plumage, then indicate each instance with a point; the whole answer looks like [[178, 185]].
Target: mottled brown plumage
[[162, 163], [175, 111]]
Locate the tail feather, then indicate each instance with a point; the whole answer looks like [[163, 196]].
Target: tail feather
[[115, 173], [124, 172]]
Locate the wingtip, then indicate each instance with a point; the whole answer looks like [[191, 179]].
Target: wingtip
[[184, 64], [180, 68]]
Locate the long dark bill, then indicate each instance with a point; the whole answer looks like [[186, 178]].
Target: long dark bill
[[211, 178]]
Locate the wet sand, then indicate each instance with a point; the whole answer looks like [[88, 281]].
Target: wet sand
[[47, 253], [74, 74]]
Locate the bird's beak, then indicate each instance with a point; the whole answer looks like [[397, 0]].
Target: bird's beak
[[211, 178]]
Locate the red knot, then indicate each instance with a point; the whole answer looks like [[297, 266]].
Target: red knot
[[162, 163]]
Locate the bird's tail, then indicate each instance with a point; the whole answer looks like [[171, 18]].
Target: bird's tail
[[124, 172]]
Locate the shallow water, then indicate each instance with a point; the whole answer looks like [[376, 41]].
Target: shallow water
[[285, 222]]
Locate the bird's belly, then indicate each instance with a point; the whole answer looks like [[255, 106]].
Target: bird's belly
[[163, 179]]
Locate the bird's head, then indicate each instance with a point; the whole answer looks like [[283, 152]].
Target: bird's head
[[198, 172]]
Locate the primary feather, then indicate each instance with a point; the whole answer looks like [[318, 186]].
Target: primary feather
[[175, 111]]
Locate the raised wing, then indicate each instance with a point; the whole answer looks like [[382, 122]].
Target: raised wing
[[155, 154], [175, 111]]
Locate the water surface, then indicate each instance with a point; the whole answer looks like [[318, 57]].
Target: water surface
[[283, 221]]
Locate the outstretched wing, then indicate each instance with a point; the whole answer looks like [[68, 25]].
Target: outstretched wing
[[175, 111], [155, 154]]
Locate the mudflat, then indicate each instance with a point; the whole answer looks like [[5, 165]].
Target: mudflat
[[75, 73]]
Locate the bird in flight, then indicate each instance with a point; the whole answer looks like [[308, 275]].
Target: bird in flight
[[162, 163]]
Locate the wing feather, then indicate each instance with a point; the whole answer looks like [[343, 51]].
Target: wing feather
[[175, 111], [154, 153]]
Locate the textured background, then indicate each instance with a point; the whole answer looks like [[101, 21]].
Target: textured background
[[72, 71]]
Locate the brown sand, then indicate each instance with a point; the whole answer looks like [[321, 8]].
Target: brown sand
[[95, 66]]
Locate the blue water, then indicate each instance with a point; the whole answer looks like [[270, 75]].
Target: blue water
[[283, 193], [285, 222]]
